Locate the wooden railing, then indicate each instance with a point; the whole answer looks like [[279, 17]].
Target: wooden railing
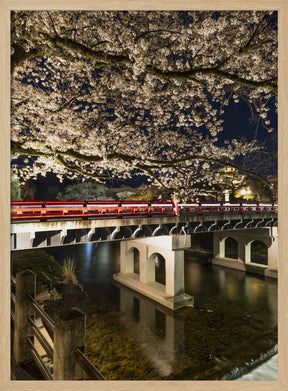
[[66, 332]]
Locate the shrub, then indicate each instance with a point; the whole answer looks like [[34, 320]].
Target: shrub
[[68, 271]]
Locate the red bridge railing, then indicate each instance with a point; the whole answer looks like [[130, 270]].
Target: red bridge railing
[[56, 209]]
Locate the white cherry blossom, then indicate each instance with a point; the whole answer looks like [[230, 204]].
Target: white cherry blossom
[[103, 94]]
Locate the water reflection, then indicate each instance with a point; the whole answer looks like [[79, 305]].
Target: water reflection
[[199, 343], [154, 328], [96, 263], [88, 253], [211, 283]]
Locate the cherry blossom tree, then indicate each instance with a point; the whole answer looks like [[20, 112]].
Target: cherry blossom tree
[[106, 94]]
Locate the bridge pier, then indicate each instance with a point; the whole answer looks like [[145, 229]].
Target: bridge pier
[[244, 260], [171, 248]]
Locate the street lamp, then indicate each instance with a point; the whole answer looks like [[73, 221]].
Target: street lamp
[[245, 193], [226, 195]]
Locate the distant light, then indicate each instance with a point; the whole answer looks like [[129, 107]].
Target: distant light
[[244, 191]]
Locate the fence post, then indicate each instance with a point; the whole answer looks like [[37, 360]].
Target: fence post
[[25, 285], [69, 333]]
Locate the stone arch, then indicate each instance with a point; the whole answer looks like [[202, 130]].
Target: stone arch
[[127, 232], [160, 268], [105, 233], [134, 256], [136, 261], [147, 230], [157, 266], [131, 255], [116, 233], [231, 248], [138, 232], [160, 230], [256, 251], [228, 246], [200, 228]]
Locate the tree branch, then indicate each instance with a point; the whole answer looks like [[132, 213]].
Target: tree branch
[[20, 55], [80, 171], [191, 73], [17, 148], [247, 45], [110, 59]]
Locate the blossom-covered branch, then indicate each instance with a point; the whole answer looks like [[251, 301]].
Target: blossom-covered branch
[[116, 94]]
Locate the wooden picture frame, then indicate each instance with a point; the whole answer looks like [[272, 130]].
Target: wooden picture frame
[[8, 5]]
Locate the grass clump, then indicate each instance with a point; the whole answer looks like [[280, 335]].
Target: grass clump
[[69, 271]]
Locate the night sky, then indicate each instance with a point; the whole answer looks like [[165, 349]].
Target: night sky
[[237, 123]]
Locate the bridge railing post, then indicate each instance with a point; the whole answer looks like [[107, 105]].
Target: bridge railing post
[[69, 334], [25, 286]]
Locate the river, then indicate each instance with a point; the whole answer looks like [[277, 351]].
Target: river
[[130, 337]]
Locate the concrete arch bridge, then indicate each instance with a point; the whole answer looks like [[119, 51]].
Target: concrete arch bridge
[[156, 238]]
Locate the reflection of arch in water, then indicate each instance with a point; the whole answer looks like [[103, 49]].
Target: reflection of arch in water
[[155, 329], [257, 252]]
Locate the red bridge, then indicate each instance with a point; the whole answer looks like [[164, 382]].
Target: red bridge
[[45, 210]]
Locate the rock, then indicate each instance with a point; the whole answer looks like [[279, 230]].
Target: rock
[[42, 296]]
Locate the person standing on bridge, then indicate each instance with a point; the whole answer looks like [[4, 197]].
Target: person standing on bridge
[[176, 206]]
